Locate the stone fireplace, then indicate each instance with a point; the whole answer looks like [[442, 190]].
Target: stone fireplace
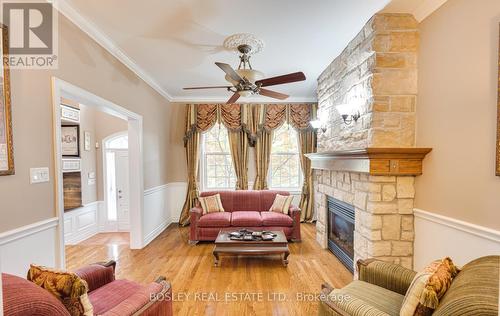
[[371, 164]]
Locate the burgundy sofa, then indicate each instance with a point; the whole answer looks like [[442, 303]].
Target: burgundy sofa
[[244, 209], [109, 297]]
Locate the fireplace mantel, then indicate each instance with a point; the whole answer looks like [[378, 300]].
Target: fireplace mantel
[[375, 161]]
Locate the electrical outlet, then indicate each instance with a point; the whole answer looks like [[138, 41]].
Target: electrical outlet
[[39, 175]]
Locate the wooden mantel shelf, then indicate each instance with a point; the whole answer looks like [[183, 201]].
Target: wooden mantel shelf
[[375, 161]]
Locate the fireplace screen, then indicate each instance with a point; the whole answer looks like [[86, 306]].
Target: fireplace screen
[[341, 231]]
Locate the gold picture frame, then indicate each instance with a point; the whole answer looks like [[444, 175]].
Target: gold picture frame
[[6, 144]]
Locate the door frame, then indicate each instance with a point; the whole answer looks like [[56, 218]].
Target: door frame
[[104, 173], [61, 88]]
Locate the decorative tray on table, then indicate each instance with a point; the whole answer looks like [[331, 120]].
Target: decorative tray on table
[[249, 235]]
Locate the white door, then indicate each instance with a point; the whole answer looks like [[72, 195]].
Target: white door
[[122, 190]]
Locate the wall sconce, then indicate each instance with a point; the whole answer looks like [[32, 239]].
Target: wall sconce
[[348, 113], [319, 124]]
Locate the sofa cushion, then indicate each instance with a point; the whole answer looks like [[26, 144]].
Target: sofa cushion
[[68, 287], [108, 296], [246, 218], [281, 204], [427, 288], [360, 298], [217, 219], [276, 219], [267, 198], [226, 198], [211, 204], [22, 297], [246, 200]]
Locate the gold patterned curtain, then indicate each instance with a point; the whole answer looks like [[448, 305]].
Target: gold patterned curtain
[[192, 146], [234, 117], [307, 144]]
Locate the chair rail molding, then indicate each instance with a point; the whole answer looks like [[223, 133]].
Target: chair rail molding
[[443, 232], [28, 230], [34, 243]]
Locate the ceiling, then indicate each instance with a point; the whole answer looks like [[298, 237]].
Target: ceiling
[[175, 43]]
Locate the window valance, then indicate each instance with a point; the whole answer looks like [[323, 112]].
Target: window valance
[[251, 118]]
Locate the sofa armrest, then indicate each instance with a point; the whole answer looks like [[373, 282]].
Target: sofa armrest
[[293, 210], [390, 276], [294, 213], [196, 211], [97, 274], [153, 299], [195, 214]]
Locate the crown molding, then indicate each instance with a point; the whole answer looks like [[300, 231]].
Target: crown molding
[[426, 8], [107, 43], [253, 99]]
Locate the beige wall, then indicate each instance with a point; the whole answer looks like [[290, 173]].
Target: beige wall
[[86, 64], [88, 158], [177, 168], [456, 111]]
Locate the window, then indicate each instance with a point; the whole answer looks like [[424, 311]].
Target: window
[[118, 142], [284, 170], [217, 168]]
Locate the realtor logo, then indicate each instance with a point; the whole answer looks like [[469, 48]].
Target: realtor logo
[[32, 32]]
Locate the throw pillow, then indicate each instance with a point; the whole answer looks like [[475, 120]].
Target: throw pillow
[[211, 204], [281, 204], [68, 287], [428, 287]]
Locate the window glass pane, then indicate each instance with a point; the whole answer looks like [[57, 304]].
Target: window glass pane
[[285, 172], [218, 170], [120, 142]]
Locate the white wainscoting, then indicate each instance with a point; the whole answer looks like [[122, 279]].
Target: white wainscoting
[[35, 243], [437, 236], [82, 223], [176, 193], [156, 215]]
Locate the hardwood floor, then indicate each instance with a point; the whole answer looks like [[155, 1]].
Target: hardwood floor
[[240, 286]]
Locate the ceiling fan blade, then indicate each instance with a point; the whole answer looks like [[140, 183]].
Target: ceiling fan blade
[[293, 77], [233, 98], [212, 87], [273, 94], [229, 71]]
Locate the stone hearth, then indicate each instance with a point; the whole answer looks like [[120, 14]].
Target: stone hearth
[[377, 73], [383, 213]]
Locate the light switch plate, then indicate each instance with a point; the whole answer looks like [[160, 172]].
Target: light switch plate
[[91, 182], [39, 175]]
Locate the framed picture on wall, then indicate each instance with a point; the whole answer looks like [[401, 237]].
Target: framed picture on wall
[[70, 140], [6, 144], [86, 141]]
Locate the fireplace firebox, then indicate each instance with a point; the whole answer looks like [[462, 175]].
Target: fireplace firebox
[[341, 231]]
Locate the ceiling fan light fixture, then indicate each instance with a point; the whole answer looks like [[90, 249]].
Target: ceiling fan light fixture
[[245, 93], [250, 74]]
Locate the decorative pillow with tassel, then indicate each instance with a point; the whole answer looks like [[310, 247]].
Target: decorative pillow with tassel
[[68, 287], [428, 287]]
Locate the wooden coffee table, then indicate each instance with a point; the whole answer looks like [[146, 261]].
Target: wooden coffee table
[[223, 244]]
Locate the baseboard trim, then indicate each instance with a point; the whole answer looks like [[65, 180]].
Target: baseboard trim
[[27, 230], [477, 230], [155, 233]]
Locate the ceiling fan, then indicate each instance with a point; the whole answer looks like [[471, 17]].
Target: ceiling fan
[[246, 81]]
